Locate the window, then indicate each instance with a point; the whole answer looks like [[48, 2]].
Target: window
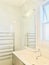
[[44, 24]]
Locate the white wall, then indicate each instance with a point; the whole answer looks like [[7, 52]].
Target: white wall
[[10, 21]]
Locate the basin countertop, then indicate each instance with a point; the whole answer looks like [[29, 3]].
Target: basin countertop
[[28, 57]]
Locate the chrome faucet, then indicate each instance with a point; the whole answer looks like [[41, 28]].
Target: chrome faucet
[[39, 53]]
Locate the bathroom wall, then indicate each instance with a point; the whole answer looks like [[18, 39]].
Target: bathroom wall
[[10, 21]]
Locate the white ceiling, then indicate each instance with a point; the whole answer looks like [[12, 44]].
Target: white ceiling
[[13, 2], [30, 6], [26, 6], [20, 2]]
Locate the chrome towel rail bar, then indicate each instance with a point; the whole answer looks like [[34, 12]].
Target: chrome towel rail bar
[[6, 45], [31, 39]]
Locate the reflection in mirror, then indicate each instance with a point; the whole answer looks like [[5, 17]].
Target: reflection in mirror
[[29, 31], [31, 40]]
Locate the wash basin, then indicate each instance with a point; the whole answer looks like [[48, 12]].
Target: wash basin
[[28, 57]]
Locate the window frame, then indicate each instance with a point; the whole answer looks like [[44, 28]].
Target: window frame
[[44, 22]]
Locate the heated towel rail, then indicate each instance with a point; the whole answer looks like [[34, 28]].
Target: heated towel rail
[[6, 45], [31, 40]]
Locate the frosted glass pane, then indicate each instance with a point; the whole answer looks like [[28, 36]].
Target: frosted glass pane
[[43, 15], [46, 31], [47, 11]]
